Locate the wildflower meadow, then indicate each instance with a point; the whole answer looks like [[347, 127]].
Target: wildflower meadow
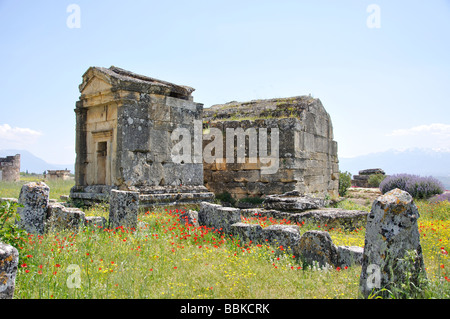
[[164, 259]]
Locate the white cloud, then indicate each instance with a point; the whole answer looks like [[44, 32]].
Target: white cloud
[[17, 137], [435, 129], [434, 136]]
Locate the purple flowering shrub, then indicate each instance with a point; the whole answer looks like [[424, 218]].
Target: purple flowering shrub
[[417, 186]]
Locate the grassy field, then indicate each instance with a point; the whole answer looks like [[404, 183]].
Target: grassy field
[[57, 187], [164, 259]]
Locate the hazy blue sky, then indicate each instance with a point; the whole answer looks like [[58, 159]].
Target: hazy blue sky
[[384, 88]]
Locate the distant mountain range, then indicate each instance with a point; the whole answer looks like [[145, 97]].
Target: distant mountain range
[[33, 164], [423, 162]]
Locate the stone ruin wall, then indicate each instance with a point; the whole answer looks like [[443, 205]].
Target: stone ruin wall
[[308, 159], [57, 174], [10, 168]]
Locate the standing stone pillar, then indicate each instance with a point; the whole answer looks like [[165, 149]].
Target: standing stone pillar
[[34, 197], [9, 259], [123, 209], [392, 250]]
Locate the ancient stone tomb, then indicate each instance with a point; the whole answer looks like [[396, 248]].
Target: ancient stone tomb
[[124, 123], [291, 140], [10, 168]]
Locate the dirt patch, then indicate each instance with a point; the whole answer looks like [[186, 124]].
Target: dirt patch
[[363, 196]]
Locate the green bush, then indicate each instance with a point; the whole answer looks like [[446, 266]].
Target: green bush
[[375, 180], [345, 181], [9, 232], [225, 197]]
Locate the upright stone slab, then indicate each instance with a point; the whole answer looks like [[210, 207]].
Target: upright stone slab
[[391, 235], [123, 209], [34, 197], [9, 259]]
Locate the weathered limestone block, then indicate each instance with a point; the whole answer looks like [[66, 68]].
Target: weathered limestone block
[[349, 255], [123, 209], [189, 218], [287, 236], [335, 218], [247, 232], [293, 202], [95, 221], [306, 154], [9, 259], [60, 218], [218, 217], [34, 197], [391, 235], [317, 246]]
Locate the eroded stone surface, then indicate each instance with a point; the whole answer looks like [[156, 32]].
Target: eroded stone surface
[[287, 236], [34, 197], [9, 259], [293, 202], [60, 217], [123, 209], [189, 218], [306, 157], [247, 232], [349, 255], [95, 221], [391, 235], [317, 246], [218, 217]]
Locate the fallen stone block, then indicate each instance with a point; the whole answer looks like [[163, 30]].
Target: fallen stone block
[[189, 218], [218, 217], [9, 260], [287, 236], [60, 217], [247, 232], [349, 255], [95, 221], [292, 201], [334, 218], [317, 247]]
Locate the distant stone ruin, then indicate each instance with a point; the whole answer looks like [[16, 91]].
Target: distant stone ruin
[[362, 179], [63, 174], [10, 168], [306, 157], [124, 123]]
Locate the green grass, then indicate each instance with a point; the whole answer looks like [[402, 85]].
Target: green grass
[[57, 187]]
